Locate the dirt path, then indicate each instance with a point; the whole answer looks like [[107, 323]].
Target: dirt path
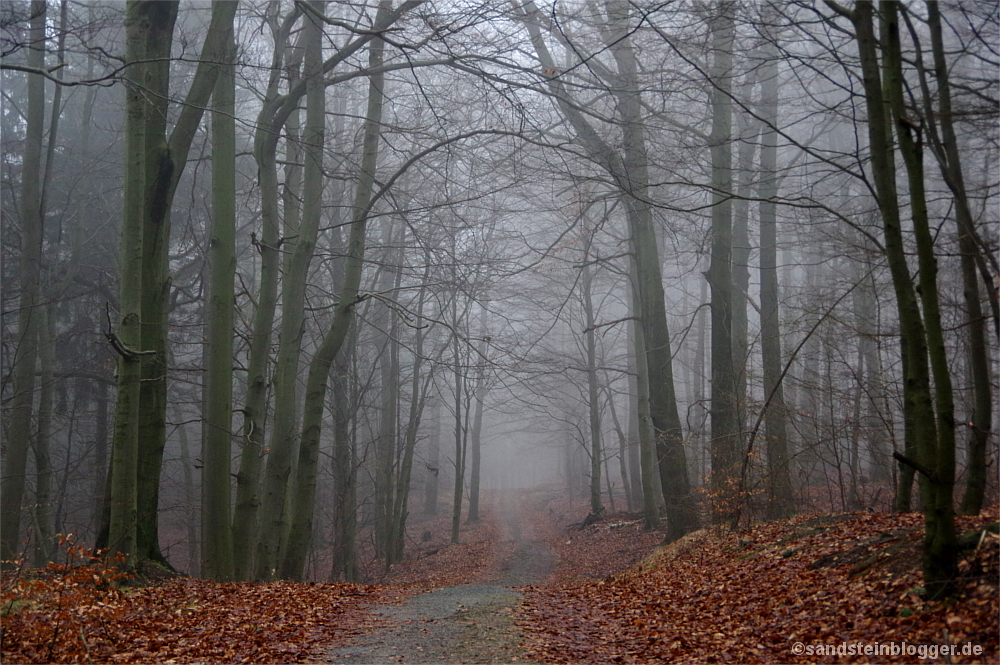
[[469, 623]]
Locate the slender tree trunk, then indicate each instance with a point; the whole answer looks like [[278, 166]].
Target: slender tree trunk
[[418, 395], [634, 447], [682, 514], [47, 521], [319, 368], [647, 451], [190, 494], [596, 456], [44, 541], [44, 513], [217, 543], [388, 363], [248, 486], [459, 460], [701, 375], [725, 416], [26, 355], [477, 421], [475, 468], [345, 509], [748, 128], [903, 498], [622, 447], [949, 159], [932, 416], [433, 461], [779, 483], [99, 518]]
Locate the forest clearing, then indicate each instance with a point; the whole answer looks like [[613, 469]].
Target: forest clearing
[[605, 594]]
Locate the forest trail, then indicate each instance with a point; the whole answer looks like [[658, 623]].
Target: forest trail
[[467, 622], [529, 583]]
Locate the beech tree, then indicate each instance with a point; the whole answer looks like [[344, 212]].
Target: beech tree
[[217, 544], [29, 313], [932, 409], [628, 170], [154, 167]]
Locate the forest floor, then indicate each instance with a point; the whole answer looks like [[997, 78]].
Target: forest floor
[[529, 584]]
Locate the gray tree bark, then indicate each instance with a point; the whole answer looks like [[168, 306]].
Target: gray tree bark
[[275, 515], [779, 483], [931, 412], [255, 406], [596, 456], [946, 151], [725, 414], [322, 362], [217, 543], [148, 27]]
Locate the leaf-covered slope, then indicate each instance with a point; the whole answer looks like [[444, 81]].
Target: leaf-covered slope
[[836, 580]]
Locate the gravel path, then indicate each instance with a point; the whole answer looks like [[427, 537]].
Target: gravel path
[[470, 623]]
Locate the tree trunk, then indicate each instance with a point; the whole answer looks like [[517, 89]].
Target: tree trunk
[[275, 525], [248, 486], [632, 178], [418, 395], [98, 513], [322, 362], [148, 28], [217, 543], [344, 462], [433, 463], [596, 457], [622, 447], [190, 494], [933, 420], [477, 422], [949, 160], [779, 483], [725, 416], [44, 540], [647, 451], [26, 355], [459, 460], [388, 363], [475, 443], [748, 128], [633, 441]]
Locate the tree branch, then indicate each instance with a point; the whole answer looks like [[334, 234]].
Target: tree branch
[[930, 475]]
